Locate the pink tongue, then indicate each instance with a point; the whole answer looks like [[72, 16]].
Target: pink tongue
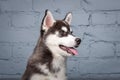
[[74, 51]]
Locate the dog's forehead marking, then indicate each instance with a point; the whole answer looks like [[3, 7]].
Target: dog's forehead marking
[[64, 28]]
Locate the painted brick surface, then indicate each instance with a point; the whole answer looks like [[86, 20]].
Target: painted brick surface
[[18, 35], [118, 18], [82, 18], [16, 5], [55, 5], [6, 67], [118, 49], [4, 20], [104, 32], [73, 67], [103, 18], [73, 5], [38, 5], [22, 50], [99, 66], [12, 66], [5, 50], [23, 20], [96, 22], [101, 49], [101, 5]]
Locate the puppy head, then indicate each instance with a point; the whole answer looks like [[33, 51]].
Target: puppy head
[[58, 36]]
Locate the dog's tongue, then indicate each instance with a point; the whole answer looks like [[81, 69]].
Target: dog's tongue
[[74, 51], [70, 50]]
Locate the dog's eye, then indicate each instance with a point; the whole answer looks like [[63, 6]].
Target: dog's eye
[[63, 33]]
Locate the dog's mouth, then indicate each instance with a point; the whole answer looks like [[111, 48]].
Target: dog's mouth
[[70, 50]]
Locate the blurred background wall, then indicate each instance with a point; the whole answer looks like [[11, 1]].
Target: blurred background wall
[[96, 22]]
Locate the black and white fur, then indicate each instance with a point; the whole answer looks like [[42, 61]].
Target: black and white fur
[[56, 42]]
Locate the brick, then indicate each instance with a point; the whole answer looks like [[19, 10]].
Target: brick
[[5, 69], [72, 69], [62, 5], [104, 32], [39, 5], [4, 20], [16, 66], [118, 18], [103, 18], [22, 50], [79, 31], [101, 49], [16, 5], [83, 50], [5, 50], [19, 65], [58, 16], [11, 77], [96, 66], [97, 77], [101, 5], [118, 49], [80, 18], [56, 5], [24, 20], [18, 35]]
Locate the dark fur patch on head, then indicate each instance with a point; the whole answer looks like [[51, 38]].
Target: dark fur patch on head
[[57, 27]]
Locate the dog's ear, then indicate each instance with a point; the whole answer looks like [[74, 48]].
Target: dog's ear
[[47, 21], [68, 18]]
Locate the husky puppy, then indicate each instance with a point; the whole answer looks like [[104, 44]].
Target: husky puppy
[[55, 43]]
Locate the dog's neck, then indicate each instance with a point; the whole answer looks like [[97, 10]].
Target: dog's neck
[[43, 55]]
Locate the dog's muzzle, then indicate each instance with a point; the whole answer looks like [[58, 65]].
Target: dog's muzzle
[[78, 41]]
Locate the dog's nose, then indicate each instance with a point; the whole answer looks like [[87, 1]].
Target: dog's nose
[[78, 41]]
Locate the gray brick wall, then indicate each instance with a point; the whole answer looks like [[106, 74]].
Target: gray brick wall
[[96, 22]]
